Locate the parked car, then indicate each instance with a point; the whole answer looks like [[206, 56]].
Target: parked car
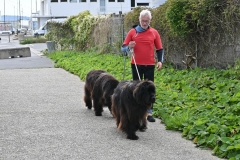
[[43, 29], [5, 32]]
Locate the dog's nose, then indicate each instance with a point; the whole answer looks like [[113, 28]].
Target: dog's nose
[[153, 99]]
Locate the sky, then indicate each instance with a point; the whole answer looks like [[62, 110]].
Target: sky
[[12, 7]]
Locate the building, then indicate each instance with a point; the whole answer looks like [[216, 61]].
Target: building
[[65, 8]]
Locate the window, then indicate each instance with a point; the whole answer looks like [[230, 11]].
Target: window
[[133, 3], [63, 0], [93, 0], [82, 0], [142, 4], [54, 0], [111, 0], [73, 1], [120, 0]]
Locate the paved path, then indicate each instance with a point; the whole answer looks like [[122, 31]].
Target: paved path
[[37, 59], [43, 117]]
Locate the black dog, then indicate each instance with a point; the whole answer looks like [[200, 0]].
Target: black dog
[[130, 102], [88, 87], [99, 88]]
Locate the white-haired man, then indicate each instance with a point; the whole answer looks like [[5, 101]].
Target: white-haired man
[[144, 40]]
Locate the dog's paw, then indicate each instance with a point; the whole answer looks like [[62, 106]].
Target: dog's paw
[[132, 137], [142, 128], [89, 107], [98, 114]]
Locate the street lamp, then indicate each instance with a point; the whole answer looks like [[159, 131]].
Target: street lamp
[[4, 17], [19, 14], [31, 20]]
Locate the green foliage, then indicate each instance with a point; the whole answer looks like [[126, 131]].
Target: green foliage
[[62, 34], [185, 17], [81, 63], [203, 103], [158, 21], [77, 32], [177, 17], [206, 105], [234, 71], [31, 40]]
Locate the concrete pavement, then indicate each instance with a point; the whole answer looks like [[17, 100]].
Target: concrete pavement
[[37, 59], [43, 117]]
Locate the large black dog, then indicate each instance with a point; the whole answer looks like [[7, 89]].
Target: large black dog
[[99, 87], [130, 102]]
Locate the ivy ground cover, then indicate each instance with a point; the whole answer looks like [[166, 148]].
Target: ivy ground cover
[[203, 104]]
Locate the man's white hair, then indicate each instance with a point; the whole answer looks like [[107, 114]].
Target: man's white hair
[[145, 12]]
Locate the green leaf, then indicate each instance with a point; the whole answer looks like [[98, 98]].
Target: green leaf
[[226, 140], [237, 146], [230, 148], [224, 147], [211, 139]]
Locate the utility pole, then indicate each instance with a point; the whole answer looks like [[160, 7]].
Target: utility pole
[[17, 19], [36, 6], [19, 15], [31, 20], [14, 13], [4, 17], [22, 19]]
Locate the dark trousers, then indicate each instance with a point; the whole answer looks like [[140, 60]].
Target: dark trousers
[[145, 72]]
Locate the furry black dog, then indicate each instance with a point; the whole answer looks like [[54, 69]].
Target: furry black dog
[[99, 87], [130, 102], [88, 87]]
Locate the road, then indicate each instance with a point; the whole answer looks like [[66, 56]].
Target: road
[[43, 117]]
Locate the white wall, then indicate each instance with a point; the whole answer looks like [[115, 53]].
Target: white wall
[[67, 9], [49, 9], [74, 8]]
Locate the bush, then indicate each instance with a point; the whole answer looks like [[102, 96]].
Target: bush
[[31, 40]]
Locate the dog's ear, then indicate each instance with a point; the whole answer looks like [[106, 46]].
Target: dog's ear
[[139, 91]]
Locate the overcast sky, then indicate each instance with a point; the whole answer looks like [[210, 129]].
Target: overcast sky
[[12, 7]]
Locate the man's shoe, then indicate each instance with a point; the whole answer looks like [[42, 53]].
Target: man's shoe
[[150, 119]]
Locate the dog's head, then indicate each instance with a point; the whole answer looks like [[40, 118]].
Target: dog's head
[[145, 92]]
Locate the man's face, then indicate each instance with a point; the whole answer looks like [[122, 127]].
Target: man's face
[[144, 21]]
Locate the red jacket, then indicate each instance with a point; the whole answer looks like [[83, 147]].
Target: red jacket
[[146, 43]]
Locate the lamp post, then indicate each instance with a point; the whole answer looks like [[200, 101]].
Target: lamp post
[[4, 17], [19, 14], [16, 23], [31, 23], [22, 19]]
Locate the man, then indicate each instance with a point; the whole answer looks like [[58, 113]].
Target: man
[[143, 40]]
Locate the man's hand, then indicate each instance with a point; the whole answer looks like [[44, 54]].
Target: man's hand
[[131, 44], [159, 66]]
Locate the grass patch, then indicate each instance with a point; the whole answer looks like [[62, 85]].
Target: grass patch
[[204, 104], [30, 40]]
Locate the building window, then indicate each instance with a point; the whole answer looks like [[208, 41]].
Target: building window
[[54, 0], [120, 0], [63, 0], [73, 1], [82, 0], [111, 0], [142, 4], [93, 0]]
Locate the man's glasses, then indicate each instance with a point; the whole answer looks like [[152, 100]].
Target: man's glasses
[[145, 21]]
